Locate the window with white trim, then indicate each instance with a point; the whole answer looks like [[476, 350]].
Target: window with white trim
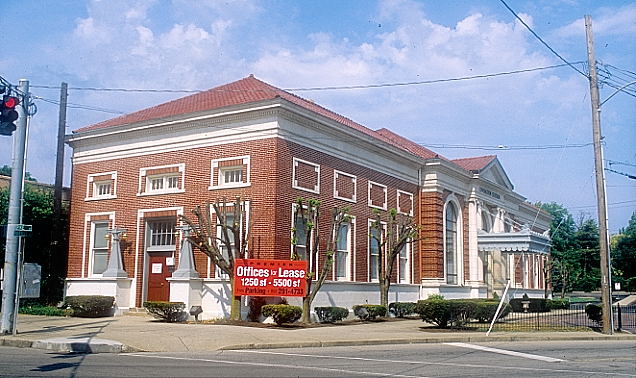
[[451, 245], [377, 194], [306, 176], [300, 225], [231, 172], [344, 186], [101, 186], [99, 247], [404, 268], [162, 180], [375, 237], [343, 252], [161, 235], [229, 219]]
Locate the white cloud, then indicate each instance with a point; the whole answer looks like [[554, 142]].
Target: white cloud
[[610, 21]]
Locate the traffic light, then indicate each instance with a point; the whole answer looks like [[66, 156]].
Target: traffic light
[[8, 114]]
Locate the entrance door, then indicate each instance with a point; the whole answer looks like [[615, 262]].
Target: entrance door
[[158, 271]]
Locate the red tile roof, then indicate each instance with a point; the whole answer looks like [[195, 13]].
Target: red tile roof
[[243, 91], [475, 163], [408, 145], [249, 90]]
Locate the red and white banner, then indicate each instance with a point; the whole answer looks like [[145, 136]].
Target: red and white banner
[[270, 278]]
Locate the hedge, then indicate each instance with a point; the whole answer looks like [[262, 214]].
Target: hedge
[[369, 312], [331, 314], [282, 313], [458, 312], [90, 306], [44, 310], [558, 303], [594, 312], [402, 309], [534, 305], [170, 312]]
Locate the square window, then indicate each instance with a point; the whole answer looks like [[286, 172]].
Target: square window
[[101, 186], [161, 180], [233, 172], [306, 176]]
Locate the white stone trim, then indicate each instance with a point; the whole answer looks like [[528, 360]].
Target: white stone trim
[[369, 202], [410, 195], [91, 183], [143, 188], [316, 166], [215, 172], [336, 174]]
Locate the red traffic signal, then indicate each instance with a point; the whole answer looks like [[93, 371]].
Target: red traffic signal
[[8, 114], [9, 102]]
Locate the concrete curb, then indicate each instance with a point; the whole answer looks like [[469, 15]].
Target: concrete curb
[[425, 340], [73, 345]]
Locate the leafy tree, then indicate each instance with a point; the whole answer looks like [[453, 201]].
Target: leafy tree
[[624, 251], [306, 245], [562, 262], [220, 231], [5, 170], [400, 230], [41, 247], [587, 256]]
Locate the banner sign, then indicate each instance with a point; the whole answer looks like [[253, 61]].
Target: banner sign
[[270, 278]]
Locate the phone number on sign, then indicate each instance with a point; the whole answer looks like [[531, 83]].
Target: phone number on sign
[[276, 282]]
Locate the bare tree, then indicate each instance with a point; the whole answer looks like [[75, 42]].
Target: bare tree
[[306, 245], [400, 230], [220, 230]]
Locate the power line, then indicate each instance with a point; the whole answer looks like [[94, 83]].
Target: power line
[[80, 106], [609, 204], [615, 162], [385, 85], [542, 41], [621, 173], [362, 86], [505, 148]]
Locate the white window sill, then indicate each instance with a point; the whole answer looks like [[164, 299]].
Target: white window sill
[[377, 207], [352, 200], [306, 189], [230, 186], [160, 192], [99, 198]]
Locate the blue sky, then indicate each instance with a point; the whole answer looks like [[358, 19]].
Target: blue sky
[[187, 44]]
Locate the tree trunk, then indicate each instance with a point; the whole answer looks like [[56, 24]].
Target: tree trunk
[[306, 318], [384, 292], [235, 303]]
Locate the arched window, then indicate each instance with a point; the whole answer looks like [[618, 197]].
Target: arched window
[[485, 221], [452, 242]]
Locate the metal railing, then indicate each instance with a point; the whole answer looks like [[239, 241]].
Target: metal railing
[[571, 319]]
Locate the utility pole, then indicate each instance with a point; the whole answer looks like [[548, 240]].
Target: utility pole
[[606, 295], [10, 292], [59, 163]]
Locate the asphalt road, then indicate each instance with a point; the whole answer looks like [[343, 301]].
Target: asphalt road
[[522, 359]]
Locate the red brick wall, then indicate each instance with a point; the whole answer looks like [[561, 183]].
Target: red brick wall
[[271, 196]]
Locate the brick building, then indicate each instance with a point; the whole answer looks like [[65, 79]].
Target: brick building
[[249, 139]]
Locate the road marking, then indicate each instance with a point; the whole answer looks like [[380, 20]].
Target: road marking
[[504, 351], [340, 371], [518, 368]]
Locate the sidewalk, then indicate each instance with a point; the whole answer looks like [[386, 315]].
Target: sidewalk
[[140, 332]]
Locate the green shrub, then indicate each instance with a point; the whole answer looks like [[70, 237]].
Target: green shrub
[[558, 303], [45, 310], [435, 296], [535, 305], [282, 313], [434, 311], [369, 312], [255, 305], [630, 284], [594, 312], [401, 309], [168, 311], [331, 314], [485, 310], [457, 312], [90, 306]]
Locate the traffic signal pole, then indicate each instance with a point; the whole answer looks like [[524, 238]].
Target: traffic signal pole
[[11, 266]]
